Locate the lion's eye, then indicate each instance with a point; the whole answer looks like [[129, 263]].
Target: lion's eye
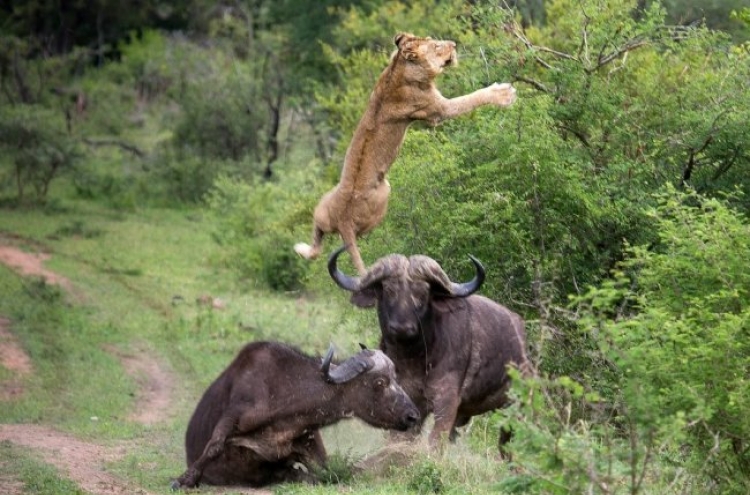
[[381, 383]]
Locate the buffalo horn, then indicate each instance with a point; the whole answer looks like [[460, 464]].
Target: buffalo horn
[[430, 271], [344, 281], [352, 367], [325, 366], [383, 268], [473, 285]]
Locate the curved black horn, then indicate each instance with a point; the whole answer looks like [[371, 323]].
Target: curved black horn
[[351, 368], [326, 364], [473, 285], [425, 268], [344, 281]]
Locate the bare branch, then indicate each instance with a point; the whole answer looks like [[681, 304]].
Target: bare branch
[[115, 142], [536, 84], [556, 53], [630, 45], [724, 167], [516, 31], [581, 137], [584, 48]]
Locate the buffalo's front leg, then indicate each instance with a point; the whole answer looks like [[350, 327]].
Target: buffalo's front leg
[[213, 449], [443, 394], [445, 417]]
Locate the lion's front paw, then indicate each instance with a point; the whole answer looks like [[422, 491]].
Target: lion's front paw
[[502, 94]]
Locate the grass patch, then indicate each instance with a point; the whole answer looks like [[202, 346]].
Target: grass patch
[[77, 228], [65, 349], [150, 279], [24, 474]]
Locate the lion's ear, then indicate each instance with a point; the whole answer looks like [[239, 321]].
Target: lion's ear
[[401, 37]]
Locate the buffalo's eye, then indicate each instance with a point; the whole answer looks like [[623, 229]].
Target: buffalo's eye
[[418, 301], [381, 382]]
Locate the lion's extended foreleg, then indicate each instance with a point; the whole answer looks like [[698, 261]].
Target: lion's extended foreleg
[[501, 95]]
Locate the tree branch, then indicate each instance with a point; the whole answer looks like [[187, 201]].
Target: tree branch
[[541, 87], [630, 45], [115, 142], [517, 31]]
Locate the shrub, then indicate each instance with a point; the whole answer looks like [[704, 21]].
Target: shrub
[[339, 469], [36, 147], [249, 227], [667, 389], [222, 114], [426, 478]]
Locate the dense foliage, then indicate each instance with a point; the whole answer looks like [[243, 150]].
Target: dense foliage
[[667, 340], [609, 204]]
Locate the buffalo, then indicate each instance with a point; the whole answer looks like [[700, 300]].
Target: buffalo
[[451, 348], [258, 423]]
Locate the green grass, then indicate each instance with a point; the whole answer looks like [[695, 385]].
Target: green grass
[[137, 276], [31, 475]]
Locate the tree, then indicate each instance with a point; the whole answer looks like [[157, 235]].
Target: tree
[[34, 140], [716, 14], [100, 26]]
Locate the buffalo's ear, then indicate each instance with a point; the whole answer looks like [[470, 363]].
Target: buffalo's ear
[[366, 298]]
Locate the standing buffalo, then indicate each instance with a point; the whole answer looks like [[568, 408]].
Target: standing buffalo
[[451, 348], [258, 422]]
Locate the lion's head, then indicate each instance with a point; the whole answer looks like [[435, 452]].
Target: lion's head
[[426, 55]]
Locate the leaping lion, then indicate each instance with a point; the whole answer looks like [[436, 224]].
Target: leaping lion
[[404, 93]]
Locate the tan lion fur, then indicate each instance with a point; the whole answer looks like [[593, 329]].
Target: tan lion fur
[[404, 93]]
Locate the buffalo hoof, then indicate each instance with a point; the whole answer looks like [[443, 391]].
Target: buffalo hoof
[[181, 483]]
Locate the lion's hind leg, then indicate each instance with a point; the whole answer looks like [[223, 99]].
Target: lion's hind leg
[[311, 252], [350, 240]]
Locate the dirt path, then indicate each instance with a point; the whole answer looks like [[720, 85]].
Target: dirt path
[[156, 384], [31, 264], [82, 462], [14, 359]]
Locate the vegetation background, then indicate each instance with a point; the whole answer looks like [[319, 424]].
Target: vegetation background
[[168, 150]]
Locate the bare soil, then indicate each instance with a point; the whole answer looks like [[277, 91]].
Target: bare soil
[[31, 264], [14, 359], [156, 384], [82, 462]]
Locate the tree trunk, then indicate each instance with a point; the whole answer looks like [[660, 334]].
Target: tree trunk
[[19, 182], [20, 78], [273, 135]]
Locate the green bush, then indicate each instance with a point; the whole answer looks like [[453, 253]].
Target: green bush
[[223, 114], [425, 478], [36, 149], [338, 470], [249, 217], [667, 391]]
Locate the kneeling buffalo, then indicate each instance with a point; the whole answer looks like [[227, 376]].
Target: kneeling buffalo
[[258, 423]]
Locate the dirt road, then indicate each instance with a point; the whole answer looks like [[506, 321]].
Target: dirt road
[[84, 463]]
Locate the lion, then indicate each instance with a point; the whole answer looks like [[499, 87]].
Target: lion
[[405, 92]]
